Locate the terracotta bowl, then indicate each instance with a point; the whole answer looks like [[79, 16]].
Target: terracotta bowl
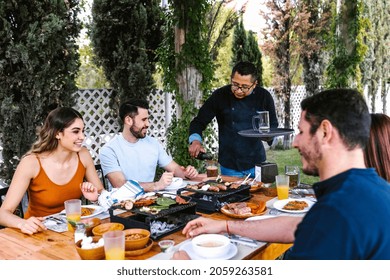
[[136, 238], [90, 224], [93, 253], [103, 228]]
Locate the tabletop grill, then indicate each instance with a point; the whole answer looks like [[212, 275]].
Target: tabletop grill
[[163, 223], [210, 201]]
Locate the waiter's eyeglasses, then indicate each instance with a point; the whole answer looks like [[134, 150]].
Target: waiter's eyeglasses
[[243, 88]]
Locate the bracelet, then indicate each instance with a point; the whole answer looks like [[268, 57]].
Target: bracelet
[[227, 228]]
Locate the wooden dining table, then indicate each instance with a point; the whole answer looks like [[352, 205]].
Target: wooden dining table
[[51, 245]]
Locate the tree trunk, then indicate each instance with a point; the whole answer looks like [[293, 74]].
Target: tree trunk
[[189, 78]]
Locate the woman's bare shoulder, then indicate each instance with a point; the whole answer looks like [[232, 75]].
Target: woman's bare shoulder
[[29, 159], [29, 165], [85, 156]]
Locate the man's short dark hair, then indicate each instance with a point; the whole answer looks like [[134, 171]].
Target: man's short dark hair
[[130, 108], [346, 109], [245, 68]]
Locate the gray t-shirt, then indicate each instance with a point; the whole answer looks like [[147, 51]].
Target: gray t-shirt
[[137, 161]]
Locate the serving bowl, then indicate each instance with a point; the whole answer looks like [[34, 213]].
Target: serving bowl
[[103, 228], [90, 223], [210, 246], [136, 238], [96, 253]]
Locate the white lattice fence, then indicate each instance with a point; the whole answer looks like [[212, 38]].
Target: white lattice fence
[[297, 94], [101, 126]]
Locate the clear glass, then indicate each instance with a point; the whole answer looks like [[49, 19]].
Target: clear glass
[[114, 245], [282, 186], [293, 172]]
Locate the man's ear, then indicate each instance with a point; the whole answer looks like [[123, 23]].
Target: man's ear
[[326, 129], [129, 120]]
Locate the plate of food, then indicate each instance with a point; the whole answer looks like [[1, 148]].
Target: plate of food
[[243, 210], [88, 211], [292, 205]]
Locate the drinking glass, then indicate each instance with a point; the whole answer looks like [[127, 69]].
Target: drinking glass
[[282, 186], [212, 168], [73, 212], [293, 172], [260, 122], [114, 245]]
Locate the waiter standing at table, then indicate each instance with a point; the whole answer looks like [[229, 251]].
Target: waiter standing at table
[[234, 105]]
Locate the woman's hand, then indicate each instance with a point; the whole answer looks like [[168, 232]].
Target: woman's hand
[[32, 225], [90, 192]]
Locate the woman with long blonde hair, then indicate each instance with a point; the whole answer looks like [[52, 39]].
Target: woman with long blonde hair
[[57, 168]]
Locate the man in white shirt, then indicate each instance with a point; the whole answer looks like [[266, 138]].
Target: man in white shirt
[[132, 155]]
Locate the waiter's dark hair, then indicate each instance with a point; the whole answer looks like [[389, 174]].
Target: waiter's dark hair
[[245, 68]]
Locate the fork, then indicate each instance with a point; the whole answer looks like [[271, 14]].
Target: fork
[[273, 211]]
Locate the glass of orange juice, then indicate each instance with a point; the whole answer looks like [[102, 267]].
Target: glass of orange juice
[[114, 245], [282, 186], [73, 212]]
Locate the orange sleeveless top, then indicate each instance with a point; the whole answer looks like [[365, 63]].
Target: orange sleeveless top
[[46, 197]]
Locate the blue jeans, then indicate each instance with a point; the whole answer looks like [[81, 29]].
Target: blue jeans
[[231, 172]]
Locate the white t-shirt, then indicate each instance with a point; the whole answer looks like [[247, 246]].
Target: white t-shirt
[[137, 161]]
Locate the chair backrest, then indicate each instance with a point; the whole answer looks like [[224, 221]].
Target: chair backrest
[[18, 210], [99, 171]]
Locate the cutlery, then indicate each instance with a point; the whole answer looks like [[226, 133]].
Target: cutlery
[[243, 240], [246, 178], [58, 221], [254, 180], [274, 211]]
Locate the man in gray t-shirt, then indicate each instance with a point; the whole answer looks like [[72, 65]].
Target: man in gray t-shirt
[[132, 155]]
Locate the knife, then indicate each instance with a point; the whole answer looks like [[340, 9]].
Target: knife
[[244, 241]]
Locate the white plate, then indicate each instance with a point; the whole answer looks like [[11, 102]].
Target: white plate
[[279, 204], [176, 184], [255, 218], [187, 246], [98, 210]]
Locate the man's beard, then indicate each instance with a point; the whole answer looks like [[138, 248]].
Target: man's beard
[[137, 133], [311, 157]]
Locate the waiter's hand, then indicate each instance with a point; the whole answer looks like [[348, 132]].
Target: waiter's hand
[[195, 148]]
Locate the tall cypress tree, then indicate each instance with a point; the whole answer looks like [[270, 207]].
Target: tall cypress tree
[[246, 48], [125, 35], [239, 43], [254, 55], [38, 64]]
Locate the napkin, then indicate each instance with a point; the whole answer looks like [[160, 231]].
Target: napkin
[[130, 190]]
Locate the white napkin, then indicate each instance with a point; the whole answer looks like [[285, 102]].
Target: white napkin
[[130, 190], [177, 182]]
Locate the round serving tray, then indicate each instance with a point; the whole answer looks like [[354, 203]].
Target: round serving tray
[[272, 133]]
